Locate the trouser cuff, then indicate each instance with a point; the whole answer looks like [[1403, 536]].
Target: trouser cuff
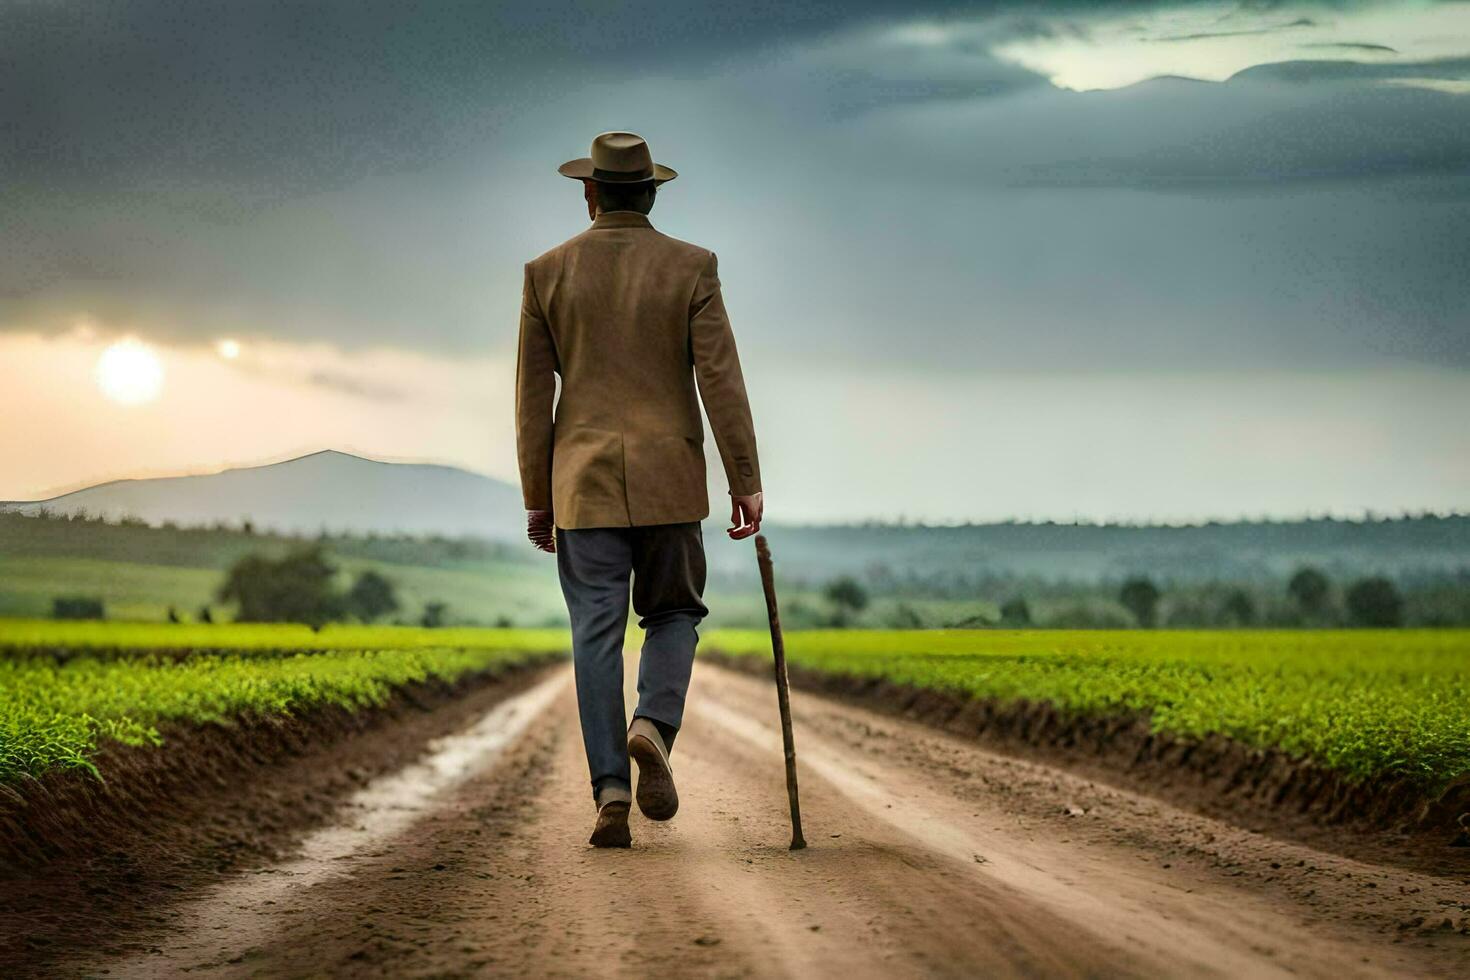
[[666, 731], [612, 790]]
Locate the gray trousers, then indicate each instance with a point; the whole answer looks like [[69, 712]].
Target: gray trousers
[[665, 563]]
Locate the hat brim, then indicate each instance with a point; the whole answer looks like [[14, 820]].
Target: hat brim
[[582, 169]]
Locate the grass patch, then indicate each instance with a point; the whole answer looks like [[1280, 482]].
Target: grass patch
[[477, 591], [131, 590]]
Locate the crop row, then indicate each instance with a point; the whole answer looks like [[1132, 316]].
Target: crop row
[[42, 635], [57, 714], [1366, 703]]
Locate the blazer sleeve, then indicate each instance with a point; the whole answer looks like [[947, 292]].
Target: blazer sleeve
[[721, 385], [536, 367]]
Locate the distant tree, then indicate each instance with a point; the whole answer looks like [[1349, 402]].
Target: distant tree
[[1015, 612], [1309, 588], [800, 613], [1239, 608], [77, 607], [1374, 602], [847, 591], [247, 526], [434, 614], [173, 615], [504, 622], [905, 617], [848, 598], [205, 616], [371, 597], [294, 589], [1140, 597]]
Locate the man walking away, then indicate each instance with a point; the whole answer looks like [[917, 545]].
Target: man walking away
[[633, 322]]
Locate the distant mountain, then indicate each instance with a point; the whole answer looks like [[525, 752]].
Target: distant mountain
[[328, 489]]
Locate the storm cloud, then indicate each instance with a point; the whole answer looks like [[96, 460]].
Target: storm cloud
[[884, 184]]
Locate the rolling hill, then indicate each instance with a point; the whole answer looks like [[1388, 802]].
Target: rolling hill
[[329, 490]]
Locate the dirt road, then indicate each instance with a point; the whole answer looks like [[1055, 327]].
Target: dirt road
[[928, 857]]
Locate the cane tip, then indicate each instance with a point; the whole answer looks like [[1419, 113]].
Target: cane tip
[[798, 843]]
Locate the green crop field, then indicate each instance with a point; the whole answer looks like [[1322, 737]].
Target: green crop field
[[125, 681], [1366, 703]]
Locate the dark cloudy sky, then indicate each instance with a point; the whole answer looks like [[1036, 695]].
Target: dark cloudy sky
[[984, 259]]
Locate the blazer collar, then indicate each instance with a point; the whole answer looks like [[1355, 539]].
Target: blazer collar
[[621, 219]]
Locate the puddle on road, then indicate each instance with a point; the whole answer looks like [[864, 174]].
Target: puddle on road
[[246, 906], [389, 804]]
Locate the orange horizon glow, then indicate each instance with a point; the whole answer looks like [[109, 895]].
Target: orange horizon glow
[[1100, 446], [83, 408]]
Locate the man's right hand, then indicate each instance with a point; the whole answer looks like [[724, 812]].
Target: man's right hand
[[541, 529], [745, 515]]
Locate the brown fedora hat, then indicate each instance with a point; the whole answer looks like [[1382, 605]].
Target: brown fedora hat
[[618, 158]]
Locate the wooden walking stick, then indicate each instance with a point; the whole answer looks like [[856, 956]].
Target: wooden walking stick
[[783, 691]]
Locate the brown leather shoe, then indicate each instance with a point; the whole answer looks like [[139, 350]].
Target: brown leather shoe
[[612, 825], [657, 797]]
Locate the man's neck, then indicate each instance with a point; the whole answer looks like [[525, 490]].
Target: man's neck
[[621, 219]]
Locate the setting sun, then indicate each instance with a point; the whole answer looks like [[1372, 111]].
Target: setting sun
[[129, 372]]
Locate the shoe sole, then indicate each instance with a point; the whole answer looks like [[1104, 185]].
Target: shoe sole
[[657, 797], [612, 832]]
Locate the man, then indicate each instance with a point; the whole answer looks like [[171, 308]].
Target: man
[[633, 322]]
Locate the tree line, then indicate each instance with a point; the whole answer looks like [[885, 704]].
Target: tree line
[[1372, 601], [1309, 598]]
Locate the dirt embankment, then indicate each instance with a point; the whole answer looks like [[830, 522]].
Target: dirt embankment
[[210, 799], [1215, 775]]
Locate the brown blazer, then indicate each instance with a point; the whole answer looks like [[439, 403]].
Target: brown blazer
[[632, 320]]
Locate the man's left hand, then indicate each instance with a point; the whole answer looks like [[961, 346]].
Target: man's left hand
[[745, 514], [541, 529]]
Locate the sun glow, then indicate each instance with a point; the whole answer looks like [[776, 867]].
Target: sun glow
[[129, 372], [227, 348]]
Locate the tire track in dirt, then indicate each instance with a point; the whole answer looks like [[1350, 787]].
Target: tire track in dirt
[[929, 857]]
